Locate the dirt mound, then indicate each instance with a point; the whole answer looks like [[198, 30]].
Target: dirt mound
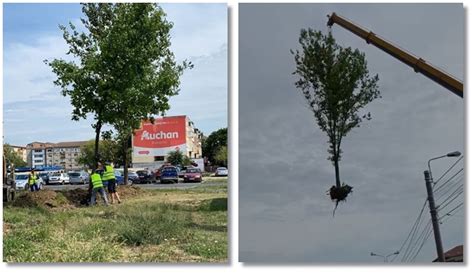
[[129, 191], [68, 198], [43, 198]]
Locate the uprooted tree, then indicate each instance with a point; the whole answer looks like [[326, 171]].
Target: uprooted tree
[[336, 84]]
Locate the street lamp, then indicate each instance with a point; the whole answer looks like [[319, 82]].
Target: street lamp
[[433, 209], [452, 154], [385, 257]]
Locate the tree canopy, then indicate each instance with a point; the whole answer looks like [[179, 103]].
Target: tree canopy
[[213, 143], [336, 83], [123, 69], [177, 158], [13, 157]]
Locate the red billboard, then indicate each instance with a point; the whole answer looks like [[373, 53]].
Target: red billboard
[[160, 137]]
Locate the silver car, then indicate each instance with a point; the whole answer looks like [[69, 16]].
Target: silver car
[[80, 177]]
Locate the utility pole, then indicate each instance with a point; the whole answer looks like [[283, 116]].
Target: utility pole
[[434, 216]]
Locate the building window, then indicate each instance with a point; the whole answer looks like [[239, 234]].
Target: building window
[[38, 151], [159, 158], [38, 161], [36, 156]]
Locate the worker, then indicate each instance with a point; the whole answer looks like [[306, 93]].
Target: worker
[[32, 181], [109, 176], [97, 186]]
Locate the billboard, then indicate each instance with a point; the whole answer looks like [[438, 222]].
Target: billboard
[[159, 138]]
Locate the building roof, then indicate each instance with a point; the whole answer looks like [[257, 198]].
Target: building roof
[[36, 144], [19, 147], [70, 144], [457, 251]]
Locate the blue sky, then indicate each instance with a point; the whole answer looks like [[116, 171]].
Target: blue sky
[[31, 35]]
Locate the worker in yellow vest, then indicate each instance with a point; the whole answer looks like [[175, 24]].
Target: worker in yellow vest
[[109, 176], [32, 181], [97, 187]]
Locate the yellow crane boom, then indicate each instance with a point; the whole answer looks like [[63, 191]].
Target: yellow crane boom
[[418, 64]]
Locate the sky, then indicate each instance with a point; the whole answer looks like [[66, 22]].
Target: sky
[[285, 215], [30, 98]]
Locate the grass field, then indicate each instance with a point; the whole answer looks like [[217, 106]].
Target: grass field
[[158, 226]]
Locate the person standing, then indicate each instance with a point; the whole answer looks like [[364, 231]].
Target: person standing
[[32, 181], [97, 187], [109, 176]]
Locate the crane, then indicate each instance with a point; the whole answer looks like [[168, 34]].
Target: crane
[[418, 64]]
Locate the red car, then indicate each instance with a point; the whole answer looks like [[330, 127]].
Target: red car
[[192, 175]]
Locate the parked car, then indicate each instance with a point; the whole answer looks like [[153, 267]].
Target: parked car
[[132, 177], [169, 174], [193, 175], [60, 178], [182, 170], [80, 177], [221, 171], [21, 181], [45, 177], [145, 176]]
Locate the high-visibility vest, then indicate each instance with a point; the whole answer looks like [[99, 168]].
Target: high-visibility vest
[[32, 179], [96, 181], [109, 173]]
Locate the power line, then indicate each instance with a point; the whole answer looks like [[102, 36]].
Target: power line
[[447, 190], [453, 211], [412, 228], [456, 190], [442, 185], [450, 201], [448, 170], [427, 235], [419, 239]]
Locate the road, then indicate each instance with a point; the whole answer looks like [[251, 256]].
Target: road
[[180, 185]]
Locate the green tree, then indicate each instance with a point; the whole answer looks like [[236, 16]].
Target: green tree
[[12, 157], [213, 143], [125, 71], [137, 52], [336, 84], [110, 151], [175, 158], [221, 156], [86, 79]]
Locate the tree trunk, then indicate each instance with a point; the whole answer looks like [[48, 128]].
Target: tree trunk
[[98, 127], [125, 161], [336, 168]]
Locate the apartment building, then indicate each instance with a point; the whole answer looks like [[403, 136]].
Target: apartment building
[[21, 151], [63, 154]]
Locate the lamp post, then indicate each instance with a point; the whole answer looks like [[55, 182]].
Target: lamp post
[[385, 257], [433, 209]]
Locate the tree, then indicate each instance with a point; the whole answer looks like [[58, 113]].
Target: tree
[[336, 84], [110, 151], [176, 158], [86, 79], [126, 70], [12, 157], [213, 143], [137, 52], [221, 156]]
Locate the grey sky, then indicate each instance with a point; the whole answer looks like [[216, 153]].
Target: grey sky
[[199, 34], [285, 214]]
